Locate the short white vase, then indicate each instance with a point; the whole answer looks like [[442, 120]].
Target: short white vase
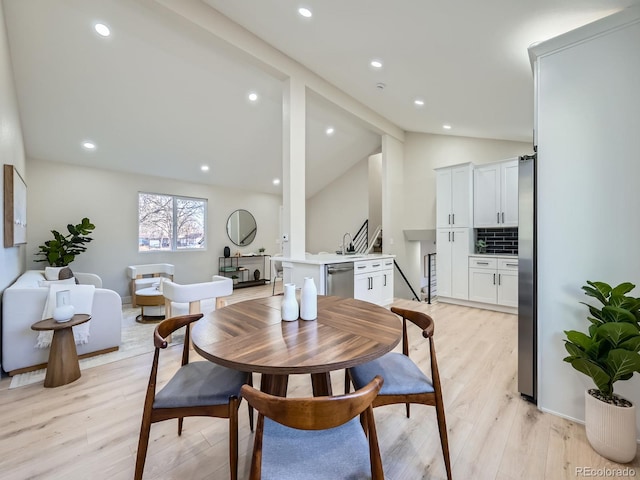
[[64, 310], [289, 306], [611, 430], [309, 300]]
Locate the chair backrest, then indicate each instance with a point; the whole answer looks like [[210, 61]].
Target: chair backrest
[[134, 271], [315, 413], [218, 287]]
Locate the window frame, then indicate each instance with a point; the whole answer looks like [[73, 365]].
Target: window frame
[[173, 247]]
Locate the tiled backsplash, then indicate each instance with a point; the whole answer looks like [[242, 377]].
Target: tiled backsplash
[[499, 240]]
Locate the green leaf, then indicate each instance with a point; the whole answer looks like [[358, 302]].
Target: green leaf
[[574, 350], [622, 362], [600, 291], [623, 289], [597, 374], [583, 341], [617, 314], [632, 344], [616, 333]]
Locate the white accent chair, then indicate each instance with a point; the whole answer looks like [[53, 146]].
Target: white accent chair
[[200, 297], [144, 276]]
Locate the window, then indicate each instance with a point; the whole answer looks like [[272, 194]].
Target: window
[[170, 223]]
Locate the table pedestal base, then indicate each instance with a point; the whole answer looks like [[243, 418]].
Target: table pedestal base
[[63, 366]]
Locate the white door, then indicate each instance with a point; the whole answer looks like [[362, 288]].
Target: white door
[[443, 262], [443, 198], [508, 288], [461, 187], [509, 194], [459, 264], [482, 285], [486, 196]]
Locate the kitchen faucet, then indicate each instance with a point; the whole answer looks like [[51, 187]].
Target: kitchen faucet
[[344, 248]]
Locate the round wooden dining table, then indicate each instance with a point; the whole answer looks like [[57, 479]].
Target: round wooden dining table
[[250, 336]]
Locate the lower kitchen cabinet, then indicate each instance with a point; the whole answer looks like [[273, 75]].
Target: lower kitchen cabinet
[[493, 280], [373, 281], [452, 268]]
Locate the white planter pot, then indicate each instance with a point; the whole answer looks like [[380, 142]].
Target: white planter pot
[[611, 430]]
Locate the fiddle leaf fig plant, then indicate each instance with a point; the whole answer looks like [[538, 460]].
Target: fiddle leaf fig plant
[[609, 351], [63, 249]]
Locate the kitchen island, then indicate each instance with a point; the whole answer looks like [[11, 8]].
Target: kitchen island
[[372, 274]]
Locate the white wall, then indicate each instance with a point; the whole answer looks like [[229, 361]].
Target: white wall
[[60, 194], [588, 193], [424, 152], [339, 208], [12, 260]]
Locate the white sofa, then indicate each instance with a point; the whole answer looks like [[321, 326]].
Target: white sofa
[[22, 306]]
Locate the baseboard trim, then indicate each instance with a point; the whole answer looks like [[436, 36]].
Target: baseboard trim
[[40, 366], [484, 306]]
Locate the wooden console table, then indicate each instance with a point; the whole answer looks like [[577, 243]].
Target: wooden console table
[[63, 366]]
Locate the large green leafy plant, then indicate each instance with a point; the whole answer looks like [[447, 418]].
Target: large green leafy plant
[[609, 352], [62, 250]]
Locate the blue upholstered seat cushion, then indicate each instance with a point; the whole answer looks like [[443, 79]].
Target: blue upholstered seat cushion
[[335, 453], [198, 384], [401, 376]]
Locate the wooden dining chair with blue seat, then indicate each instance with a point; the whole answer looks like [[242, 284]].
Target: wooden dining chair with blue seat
[[404, 381], [318, 438], [196, 389]]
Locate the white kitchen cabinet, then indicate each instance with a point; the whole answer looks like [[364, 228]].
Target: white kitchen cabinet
[[493, 280], [373, 281], [454, 187], [452, 271], [495, 195]]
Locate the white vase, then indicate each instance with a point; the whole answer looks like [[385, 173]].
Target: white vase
[[611, 430], [64, 310], [289, 307], [309, 300]]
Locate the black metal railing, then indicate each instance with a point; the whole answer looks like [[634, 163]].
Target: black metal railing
[[413, 292], [361, 238]]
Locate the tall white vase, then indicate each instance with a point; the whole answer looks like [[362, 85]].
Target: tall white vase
[[309, 300], [289, 307]]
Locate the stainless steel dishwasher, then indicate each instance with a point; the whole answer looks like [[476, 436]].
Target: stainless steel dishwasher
[[339, 279]]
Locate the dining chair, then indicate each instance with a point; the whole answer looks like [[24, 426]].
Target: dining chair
[[315, 438], [199, 297], [404, 381], [278, 272], [196, 389]]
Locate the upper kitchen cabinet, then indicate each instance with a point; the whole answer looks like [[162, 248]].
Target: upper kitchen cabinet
[[454, 196], [495, 195]]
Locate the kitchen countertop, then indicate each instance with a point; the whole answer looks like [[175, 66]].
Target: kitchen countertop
[[494, 255], [325, 258]]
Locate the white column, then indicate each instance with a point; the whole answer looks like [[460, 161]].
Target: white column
[[293, 168]]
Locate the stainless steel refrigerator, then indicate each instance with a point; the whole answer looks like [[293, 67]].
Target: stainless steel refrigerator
[[527, 315]]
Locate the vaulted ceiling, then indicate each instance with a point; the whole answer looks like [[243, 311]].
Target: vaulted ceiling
[[164, 96]]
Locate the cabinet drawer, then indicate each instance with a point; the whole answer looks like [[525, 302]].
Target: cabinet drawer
[[479, 262], [368, 266], [508, 264]]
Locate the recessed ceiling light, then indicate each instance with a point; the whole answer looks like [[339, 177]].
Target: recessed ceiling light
[[376, 63], [418, 102], [305, 12], [446, 126], [102, 29], [89, 145], [253, 97], [276, 181], [330, 131], [204, 168]]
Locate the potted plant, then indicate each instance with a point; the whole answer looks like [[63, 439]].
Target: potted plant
[[63, 249], [235, 279], [607, 353]]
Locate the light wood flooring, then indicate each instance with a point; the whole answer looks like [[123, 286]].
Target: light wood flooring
[[89, 429]]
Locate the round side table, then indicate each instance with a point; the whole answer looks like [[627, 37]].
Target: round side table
[[63, 366]]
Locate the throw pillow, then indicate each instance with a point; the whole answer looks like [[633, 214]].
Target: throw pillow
[[66, 273], [67, 281], [52, 273]]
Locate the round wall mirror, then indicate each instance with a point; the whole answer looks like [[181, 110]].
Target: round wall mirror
[[241, 228]]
